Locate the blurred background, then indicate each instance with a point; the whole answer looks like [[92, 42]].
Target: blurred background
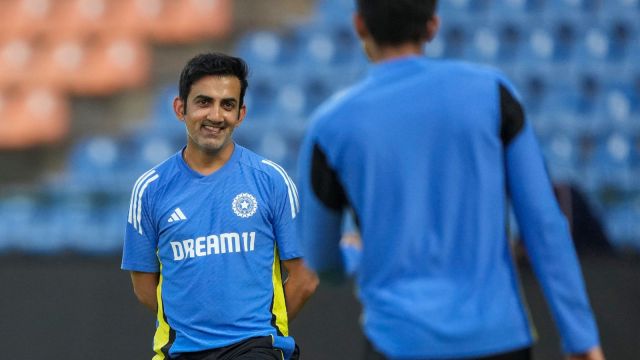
[[85, 108]]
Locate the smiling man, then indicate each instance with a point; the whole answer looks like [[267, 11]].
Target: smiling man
[[209, 228]]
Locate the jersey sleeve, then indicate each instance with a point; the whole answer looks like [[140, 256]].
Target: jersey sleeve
[[545, 231], [141, 241], [323, 200], [286, 207]]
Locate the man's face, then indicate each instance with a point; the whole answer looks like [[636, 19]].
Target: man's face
[[212, 112]]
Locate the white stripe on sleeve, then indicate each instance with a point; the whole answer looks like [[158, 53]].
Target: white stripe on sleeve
[[134, 194], [291, 187], [136, 223]]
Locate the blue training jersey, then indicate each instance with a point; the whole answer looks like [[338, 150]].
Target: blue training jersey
[[217, 242], [425, 152]]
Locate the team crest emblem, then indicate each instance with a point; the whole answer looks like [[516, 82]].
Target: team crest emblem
[[244, 205]]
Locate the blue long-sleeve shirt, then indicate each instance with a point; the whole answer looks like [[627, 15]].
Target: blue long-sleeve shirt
[[427, 152]]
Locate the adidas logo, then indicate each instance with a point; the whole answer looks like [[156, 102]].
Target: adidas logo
[[177, 215]]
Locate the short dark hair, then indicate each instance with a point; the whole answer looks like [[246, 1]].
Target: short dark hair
[[394, 22], [216, 64]]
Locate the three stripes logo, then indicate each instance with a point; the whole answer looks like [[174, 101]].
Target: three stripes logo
[[177, 215], [135, 206], [291, 188]]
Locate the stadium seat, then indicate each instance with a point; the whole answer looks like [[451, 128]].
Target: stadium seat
[[541, 45], [561, 153], [88, 17], [318, 89], [17, 56], [134, 17], [610, 165], [484, 46], [31, 117], [606, 43], [317, 48], [191, 20], [105, 224], [566, 32], [621, 223], [573, 6], [594, 47], [264, 49], [263, 88], [534, 85], [622, 32], [617, 7], [619, 108], [334, 12], [145, 148], [633, 54], [319, 44], [17, 214], [280, 147], [94, 165], [163, 119], [464, 6], [587, 88], [60, 61], [512, 36], [26, 18], [113, 63], [509, 8], [455, 36]]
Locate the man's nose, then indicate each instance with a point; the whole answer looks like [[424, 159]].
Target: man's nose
[[215, 113]]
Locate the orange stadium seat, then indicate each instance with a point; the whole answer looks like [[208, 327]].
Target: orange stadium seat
[[59, 61], [16, 57], [26, 17], [113, 63], [188, 20], [31, 117], [80, 16], [134, 17]]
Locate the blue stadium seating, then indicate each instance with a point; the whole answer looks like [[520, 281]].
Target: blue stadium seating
[[610, 165], [621, 223], [574, 62], [17, 214], [262, 49]]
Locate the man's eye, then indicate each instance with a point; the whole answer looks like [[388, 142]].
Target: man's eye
[[228, 105]]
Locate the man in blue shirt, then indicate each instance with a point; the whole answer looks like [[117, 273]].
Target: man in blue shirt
[[425, 152], [208, 229]]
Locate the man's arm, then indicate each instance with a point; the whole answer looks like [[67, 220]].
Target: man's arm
[[546, 234], [322, 200], [593, 354], [145, 286], [299, 286]]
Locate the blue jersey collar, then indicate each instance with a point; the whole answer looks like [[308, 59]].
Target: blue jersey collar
[[228, 166]]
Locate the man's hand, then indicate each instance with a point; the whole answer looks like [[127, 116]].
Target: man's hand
[[144, 286], [299, 286], [593, 354]]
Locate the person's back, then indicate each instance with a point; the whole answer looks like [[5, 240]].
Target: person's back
[[424, 152], [432, 223]]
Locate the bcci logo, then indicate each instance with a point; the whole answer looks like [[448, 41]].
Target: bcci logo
[[244, 205]]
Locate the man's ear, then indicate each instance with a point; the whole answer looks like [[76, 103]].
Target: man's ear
[[433, 25], [242, 113], [179, 108], [360, 26]]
